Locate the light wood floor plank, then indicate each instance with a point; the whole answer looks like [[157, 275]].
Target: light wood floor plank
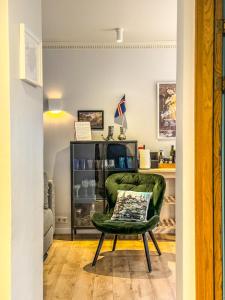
[[119, 275]]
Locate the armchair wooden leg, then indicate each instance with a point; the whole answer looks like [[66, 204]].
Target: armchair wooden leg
[[154, 242], [114, 243], [145, 240], [98, 249]]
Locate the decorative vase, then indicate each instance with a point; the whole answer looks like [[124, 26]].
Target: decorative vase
[[110, 134], [122, 135]]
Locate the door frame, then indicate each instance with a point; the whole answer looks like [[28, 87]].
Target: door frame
[[208, 111]]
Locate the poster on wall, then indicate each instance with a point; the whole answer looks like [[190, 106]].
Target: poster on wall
[[166, 103]]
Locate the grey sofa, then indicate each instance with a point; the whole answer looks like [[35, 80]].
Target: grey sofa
[[49, 213]]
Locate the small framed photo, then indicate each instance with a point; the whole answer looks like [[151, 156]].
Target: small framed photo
[[166, 110], [95, 117], [30, 57]]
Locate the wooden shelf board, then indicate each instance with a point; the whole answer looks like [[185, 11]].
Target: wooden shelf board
[[167, 173], [158, 170]]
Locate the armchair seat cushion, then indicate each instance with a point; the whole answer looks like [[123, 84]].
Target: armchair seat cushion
[[104, 223]]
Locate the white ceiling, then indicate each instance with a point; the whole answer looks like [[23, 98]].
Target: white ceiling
[[92, 21]]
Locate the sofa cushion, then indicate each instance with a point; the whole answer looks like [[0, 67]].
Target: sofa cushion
[[48, 220], [46, 206]]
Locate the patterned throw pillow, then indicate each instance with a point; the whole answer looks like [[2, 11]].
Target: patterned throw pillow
[[131, 206]]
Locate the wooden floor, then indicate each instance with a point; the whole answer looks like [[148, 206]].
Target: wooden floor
[[122, 274]]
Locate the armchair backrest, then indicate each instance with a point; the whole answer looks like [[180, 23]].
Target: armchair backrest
[[139, 183]]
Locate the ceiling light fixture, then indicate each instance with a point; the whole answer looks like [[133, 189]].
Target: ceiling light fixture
[[119, 35]]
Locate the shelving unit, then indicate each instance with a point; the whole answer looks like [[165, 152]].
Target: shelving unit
[[91, 163], [167, 225]]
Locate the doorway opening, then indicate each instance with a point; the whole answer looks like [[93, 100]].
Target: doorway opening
[[88, 67]]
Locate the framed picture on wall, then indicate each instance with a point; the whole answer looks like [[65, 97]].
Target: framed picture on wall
[[166, 110], [30, 57], [95, 117]]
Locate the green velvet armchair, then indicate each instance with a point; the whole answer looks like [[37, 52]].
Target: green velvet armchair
[[139, 183]]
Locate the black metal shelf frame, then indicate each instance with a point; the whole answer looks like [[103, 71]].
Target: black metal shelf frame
[[96, 151]]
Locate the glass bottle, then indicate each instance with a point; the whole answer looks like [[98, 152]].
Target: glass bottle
[[172, 154], [161, 156]]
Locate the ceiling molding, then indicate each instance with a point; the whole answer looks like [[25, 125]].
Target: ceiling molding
[[75, 45]]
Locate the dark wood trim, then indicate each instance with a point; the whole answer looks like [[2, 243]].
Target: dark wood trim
[[208, 112], [204, 149]]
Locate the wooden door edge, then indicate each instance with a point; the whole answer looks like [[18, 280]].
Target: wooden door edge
[[204, 219]]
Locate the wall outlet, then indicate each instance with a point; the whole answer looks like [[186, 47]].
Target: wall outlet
[[61, 220]]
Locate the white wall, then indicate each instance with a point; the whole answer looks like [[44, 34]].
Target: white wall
[[96, 79], [26, 162], [185, 188], [5, 158]]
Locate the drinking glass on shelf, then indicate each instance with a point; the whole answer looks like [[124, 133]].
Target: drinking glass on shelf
[[82, 164], [76, 164], [90, 164], [92, 185], [111, 163], [76, 188], [99, 164], [105, 163], [122, 162], [130, 162], [78, 213], [85, 184]]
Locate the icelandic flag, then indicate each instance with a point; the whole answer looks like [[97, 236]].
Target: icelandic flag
[[120, 117]]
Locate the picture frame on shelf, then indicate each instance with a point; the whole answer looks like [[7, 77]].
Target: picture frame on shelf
[[82, 131], [30, 57], [95, 117], [166, 110]]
